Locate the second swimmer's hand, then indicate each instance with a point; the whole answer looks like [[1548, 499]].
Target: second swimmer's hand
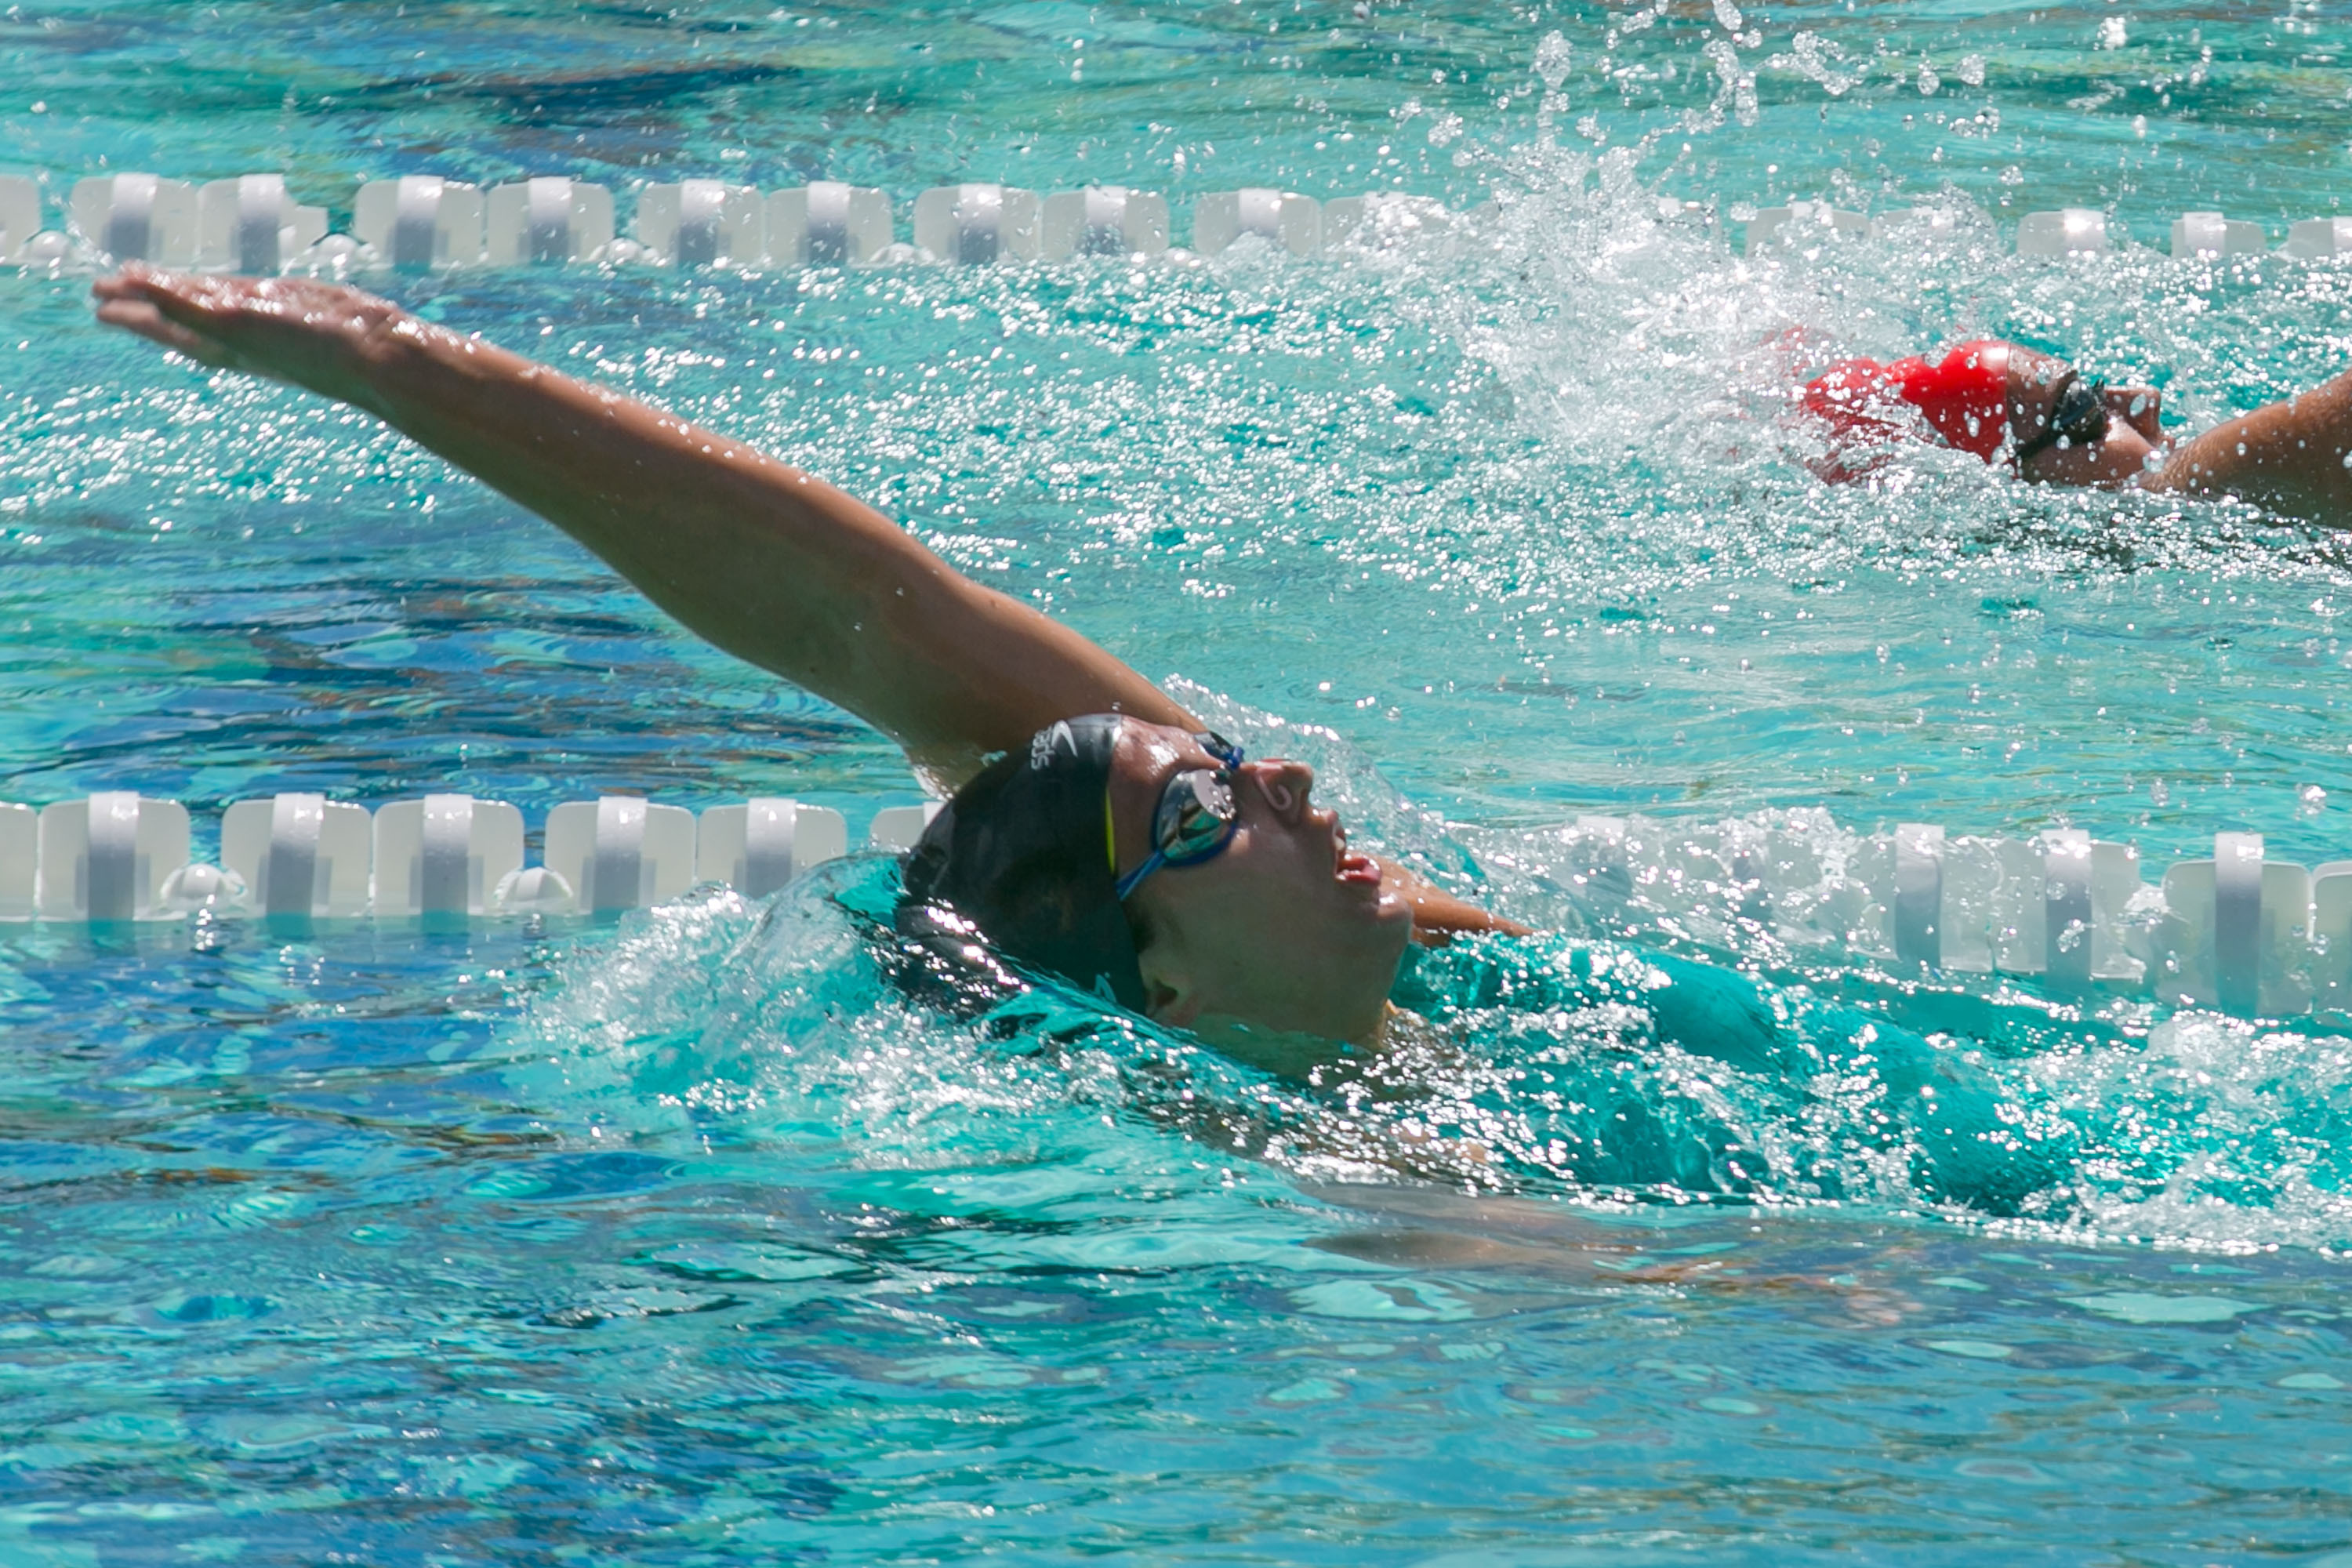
[[321, 336], [1438, 916]]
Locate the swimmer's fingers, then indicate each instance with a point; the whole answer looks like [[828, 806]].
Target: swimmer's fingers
[[224, 309], [161, 308], [177, 294], [141, 317], [310, 333]]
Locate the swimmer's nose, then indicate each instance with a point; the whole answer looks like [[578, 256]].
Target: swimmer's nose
[[1286, 785]]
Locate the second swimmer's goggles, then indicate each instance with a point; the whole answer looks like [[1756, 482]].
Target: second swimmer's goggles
[[2078, 414], [1197, 815]]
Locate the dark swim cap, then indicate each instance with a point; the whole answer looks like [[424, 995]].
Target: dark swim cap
[[1022, 859]]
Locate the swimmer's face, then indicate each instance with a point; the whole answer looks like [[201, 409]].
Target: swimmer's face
[[2133, 438], [1284, 929]]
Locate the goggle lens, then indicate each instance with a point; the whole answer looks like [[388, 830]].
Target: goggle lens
[[2078, 417], [1196, 815], [2081, 415]]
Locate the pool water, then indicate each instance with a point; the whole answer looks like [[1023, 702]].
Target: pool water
[[691, 1240]]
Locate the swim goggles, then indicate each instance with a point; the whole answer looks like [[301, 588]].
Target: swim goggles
[[2078, 414], [1197, 815]]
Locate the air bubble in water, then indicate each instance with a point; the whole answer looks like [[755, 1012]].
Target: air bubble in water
[[1928, 81], [2112, 34], [1727, 16], [1971, 70]]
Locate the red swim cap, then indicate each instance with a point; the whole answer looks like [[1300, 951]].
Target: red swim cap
[[1964, 397]]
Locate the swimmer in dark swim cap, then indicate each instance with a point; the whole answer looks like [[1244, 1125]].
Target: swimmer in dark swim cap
[[1099, 835], [1097, 832], [2055, 425]]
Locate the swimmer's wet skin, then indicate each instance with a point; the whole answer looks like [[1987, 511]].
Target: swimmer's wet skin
[[1078, 851], [2057, 426]]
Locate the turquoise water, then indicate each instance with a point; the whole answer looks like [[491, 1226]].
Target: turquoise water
[[687, 1240]]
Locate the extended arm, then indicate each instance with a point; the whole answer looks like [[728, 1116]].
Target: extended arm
[[2289, 456], [768, 563]]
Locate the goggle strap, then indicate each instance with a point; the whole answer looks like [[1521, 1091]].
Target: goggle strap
[[2047, 436], [1134, 878]]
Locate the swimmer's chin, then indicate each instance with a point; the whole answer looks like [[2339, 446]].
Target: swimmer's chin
[[1296, 1053]]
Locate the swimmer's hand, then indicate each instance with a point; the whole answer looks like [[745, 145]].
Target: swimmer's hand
[[320, 336], [1439, 915]]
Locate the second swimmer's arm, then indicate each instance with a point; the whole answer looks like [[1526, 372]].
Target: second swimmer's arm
[[1437, 916], [762, 560], [2289, 456]]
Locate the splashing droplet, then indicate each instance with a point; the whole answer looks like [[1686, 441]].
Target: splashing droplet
[[1551, 60]]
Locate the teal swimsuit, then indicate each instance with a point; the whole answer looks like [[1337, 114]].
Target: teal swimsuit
[[1566, 1061], [1596, 1042]]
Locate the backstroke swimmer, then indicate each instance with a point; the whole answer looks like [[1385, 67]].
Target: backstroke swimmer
[[1097, 833], [2056, 426]]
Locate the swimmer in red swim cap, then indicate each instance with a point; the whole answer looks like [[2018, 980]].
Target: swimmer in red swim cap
[[2056, 426]]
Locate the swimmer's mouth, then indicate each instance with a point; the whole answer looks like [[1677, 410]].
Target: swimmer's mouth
[[1348, 866]]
